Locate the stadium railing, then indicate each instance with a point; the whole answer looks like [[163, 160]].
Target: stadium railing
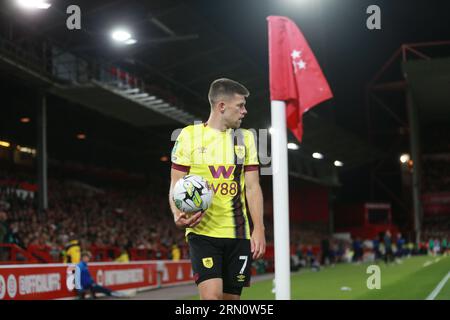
[[13, 254], [107, 253], [44, 254], [148, 254]]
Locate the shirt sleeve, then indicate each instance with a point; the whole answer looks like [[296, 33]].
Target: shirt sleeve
[[251, 155], [181, 152]]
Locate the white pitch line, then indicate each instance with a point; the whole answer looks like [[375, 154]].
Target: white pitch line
[[426, 264], [439, 287]]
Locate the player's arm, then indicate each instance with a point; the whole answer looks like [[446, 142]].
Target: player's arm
[[182, 220], [254, 197], [175, 175], [181, 161]]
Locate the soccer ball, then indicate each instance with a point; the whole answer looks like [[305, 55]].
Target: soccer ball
[[192, 194]]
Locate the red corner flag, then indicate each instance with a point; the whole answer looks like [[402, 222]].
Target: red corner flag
[[295, 75]]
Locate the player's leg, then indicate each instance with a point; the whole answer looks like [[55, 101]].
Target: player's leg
[[81, 294], [228, 296], [206, 257], [237, 262], [99, 289], [92, 290], [211, 289]]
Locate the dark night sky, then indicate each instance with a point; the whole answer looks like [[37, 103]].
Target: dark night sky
[[348, 52]]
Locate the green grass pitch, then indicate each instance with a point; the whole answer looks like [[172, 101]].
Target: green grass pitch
[[415, 278]]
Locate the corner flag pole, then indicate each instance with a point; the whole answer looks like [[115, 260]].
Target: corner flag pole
[[292, 69], [280, 200]]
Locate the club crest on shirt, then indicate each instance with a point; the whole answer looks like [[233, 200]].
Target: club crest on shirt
[[208, 262], [240, 151], [201, 150]]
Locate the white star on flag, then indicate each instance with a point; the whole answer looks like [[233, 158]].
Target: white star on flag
[[298, 65], [295, 54], [301, 64]]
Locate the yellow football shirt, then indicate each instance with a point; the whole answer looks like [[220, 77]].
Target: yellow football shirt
[[220, 157]]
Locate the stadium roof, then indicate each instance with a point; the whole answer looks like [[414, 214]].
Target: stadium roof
[[430, 82], [181, 51]]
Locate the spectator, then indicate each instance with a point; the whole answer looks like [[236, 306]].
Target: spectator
[[388, 256], [341, 251], [84, 281], [13, 236], [431, 247], [123, 257], [3, 226], [325, 248], [368, 251], [376, 248], [300, 257], [444, 247], [357, 250], [312, 262], [437, 247], [410, 248], [333, 253], [400, 245], [176, 252], [3, 232], [72, 252]]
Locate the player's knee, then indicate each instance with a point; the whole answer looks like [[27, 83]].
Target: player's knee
[[227, 296], [211, 289], [211, 296]]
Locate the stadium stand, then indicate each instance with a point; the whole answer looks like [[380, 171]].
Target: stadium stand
[[102, 219]]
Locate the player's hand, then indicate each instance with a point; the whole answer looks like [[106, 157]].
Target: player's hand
[[184, 220], [258, 243], [197, 218]]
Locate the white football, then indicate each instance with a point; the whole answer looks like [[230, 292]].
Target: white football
[[192, 194]]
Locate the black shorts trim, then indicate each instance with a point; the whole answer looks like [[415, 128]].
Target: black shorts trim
[[233, 290]]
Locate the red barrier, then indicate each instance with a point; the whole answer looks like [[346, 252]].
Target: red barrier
[[141, 254], [149, 254], [42, 253], [15, 254], [104, 253], [47, 254], [57, 281]]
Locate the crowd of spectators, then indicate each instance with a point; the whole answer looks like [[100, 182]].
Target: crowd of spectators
[[139, 218], [100, 217], [436, 233], [386, 247]]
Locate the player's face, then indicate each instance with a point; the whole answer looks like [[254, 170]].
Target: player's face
[[235, 111]]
